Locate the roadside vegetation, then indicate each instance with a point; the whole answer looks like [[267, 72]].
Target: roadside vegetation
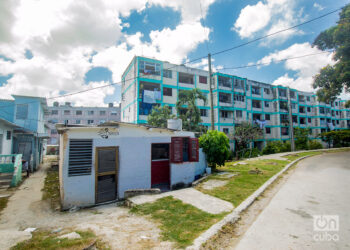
[[47, 240], [179, 222], [248, 178], [3, 203], [51, 189]]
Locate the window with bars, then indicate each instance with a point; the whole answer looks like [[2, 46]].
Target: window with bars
[[80, 157], [184, 149], [203, 79]]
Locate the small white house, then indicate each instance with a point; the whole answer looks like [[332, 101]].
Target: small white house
[[98, 164]]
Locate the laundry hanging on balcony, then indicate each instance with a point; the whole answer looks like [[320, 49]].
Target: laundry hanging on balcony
[[260, 123], [330, 126], [148, 96]]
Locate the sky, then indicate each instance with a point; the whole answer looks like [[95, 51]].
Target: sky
[[50, 48]]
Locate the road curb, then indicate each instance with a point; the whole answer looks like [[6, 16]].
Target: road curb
[[235, 214]]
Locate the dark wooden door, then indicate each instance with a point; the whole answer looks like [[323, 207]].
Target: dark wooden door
[[160, 167], [106, 174]]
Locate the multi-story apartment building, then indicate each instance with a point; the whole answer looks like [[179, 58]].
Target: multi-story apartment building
[[69, 114], [236, 99]]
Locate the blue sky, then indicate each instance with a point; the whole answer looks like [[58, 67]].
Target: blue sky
[[67, 47]]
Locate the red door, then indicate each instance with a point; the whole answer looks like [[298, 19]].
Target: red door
[[160, 167]]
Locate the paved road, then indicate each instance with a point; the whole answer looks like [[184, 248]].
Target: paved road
[[319, 186]]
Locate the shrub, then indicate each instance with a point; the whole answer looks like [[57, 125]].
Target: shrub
[[255, 153], [276, 147], [315, 145], [216, 147]]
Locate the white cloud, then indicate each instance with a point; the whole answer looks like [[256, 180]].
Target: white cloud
[[305, 68], [318, 6], [267, 17], [67, 38]]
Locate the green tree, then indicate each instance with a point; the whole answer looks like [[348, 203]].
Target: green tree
[[339, 138], [301, 136], [333, 79], [187, 109], [159, 116], [244, 134], [216, 147]]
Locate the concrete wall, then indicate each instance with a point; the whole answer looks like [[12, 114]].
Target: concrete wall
[[134, 162]]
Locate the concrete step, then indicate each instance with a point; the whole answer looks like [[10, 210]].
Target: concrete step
[[5, 176]]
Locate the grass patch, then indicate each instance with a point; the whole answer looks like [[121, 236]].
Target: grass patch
[[3, 202], [180, 222], [245, 183], [294, 156], [51, 190], [46, 240]]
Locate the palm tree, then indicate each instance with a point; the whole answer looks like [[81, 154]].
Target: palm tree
[[187, 109]]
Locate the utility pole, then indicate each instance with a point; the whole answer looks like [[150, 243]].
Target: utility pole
[[211, 94], [291, 130]]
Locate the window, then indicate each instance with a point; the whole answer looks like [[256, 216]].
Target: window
[[338, 122], [309, 120], [308, 98], [301, 109], [308, 109], [267, 130], [167, 73], [77, 121], [256, 117], [149, 68], [267, 104], [8, 135], [160, 151], [302, 120], [78, 112], [238, 98], [66, 112], [247, 87], [90, 122], [295, 119], [53, 131], [284, 119], [203, 79], [337, 112], [336, 104], [186, 78], [292, 94], [301, 98], [266, 91], [80, 157], [54, 112], [22, 111], [114, 113], [225, 114], [167, 91], [225, 97], [239, 84], [256, 104], [267, 117], [225, 130], [239, 113], [321, 110], [284, 131], [255, 90], [102, 112], [204, 112], [284, 105], [184, 149], [90, 112], [282, 92], [224, 81], [294, 105]]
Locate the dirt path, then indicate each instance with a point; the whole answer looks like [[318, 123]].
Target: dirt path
[[114, 225]]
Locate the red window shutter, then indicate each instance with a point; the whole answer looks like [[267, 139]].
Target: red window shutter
[[194, 149], [176, 149]]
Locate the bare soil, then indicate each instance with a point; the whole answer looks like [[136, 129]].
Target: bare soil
[[114, 225]]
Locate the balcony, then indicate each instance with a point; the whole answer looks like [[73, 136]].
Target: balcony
[[225, 99], [225, 82], [185, 78]]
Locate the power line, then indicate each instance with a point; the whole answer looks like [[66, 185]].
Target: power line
[[281, 60], [275, 33]]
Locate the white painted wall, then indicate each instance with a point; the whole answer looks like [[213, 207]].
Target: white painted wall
[[134, 162], [6, 144]]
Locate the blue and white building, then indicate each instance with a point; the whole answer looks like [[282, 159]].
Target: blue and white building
[[236, 99], [25, 115]]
